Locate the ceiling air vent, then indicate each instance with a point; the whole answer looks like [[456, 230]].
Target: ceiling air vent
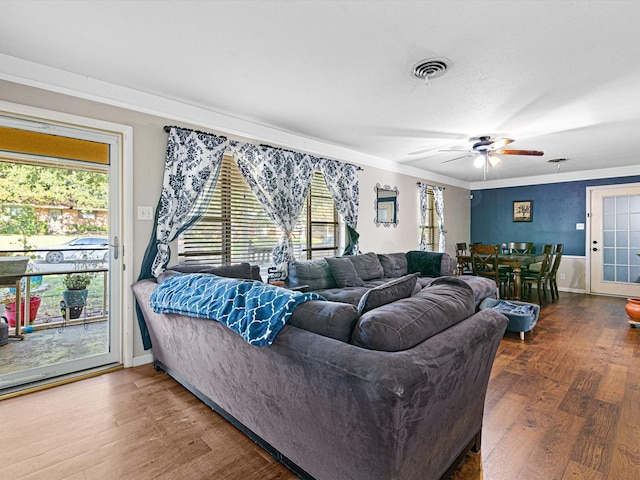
[[431, 68]]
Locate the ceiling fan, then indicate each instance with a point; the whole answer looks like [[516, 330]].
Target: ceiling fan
[[487, 149]]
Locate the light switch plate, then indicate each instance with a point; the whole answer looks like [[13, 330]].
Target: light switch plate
[[579, 226], [145, 213]]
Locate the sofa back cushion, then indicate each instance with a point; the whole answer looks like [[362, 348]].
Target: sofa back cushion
[[329, 319], [388, 292], [394, 265], [407, 322], [237, 270], [367, 266], [344, 272], [315, 273]]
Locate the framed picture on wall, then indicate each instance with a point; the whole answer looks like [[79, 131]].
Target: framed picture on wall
[[522, 210]]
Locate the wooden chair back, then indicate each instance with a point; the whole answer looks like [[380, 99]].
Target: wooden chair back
[[484, 260], [520, 247], [547, 256], [556, 260]]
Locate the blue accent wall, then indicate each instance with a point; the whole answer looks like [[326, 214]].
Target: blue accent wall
[[557, 207]]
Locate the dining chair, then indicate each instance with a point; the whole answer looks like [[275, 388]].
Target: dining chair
[[539, 278], [485, 263], [553, 272], [520, 247], [461, 250]]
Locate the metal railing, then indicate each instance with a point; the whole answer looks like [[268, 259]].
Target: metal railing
[[23, 291]]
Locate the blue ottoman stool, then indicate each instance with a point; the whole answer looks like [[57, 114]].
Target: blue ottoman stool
[[522, 316]]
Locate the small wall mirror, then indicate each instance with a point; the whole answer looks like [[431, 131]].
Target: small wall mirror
[[386, 205]]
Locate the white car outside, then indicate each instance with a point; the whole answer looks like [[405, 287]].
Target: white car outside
[[78, 249]]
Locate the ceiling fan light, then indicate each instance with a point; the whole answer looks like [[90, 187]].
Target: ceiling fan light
[[494, 161], [478, 162]]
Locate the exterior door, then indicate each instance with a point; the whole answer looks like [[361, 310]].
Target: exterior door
[[614, 240], [61, 345]]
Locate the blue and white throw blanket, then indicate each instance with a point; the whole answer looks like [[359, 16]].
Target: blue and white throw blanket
[[255, 310], [507, 307]]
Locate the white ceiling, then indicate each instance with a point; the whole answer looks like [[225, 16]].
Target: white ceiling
[[557, 76]]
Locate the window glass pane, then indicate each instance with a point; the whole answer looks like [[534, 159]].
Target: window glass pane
[[634, 204], [609, 205], [608, 239], [622, 222], [634, 273], [622, 256], [622, 274], [634, 221], [634, 239], [622, 239], [609, 222], [608, 255], [608, 273], [622, 204]]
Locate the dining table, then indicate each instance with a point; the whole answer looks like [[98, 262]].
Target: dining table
[[517, 261]]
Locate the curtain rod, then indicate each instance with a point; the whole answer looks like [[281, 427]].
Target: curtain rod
[[293, 151], [167, 129], [420, 183]]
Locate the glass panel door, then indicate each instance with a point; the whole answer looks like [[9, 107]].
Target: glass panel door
[[59, 211], [615, 241]]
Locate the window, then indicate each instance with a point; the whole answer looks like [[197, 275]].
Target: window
[[235, 228], [430, 226], [319, 233]]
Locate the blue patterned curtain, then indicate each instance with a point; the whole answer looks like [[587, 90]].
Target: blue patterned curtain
[[280, 180], [342, 181], [438, 195], [423, 216], [191, 172]]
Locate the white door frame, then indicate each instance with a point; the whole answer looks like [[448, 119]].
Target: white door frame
[[588, 227], [125, 133]]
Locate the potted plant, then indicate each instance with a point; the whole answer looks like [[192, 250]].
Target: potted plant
[[9, 302], [75, 294]]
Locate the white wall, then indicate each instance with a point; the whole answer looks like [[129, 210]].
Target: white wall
[[405, 236]]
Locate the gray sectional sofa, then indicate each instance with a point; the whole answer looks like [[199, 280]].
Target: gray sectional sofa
[[388, 385]]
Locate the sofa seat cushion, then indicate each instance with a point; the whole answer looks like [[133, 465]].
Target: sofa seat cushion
[[388, 292], [407, 322], [394, 265], [367, 266], [314, 273], [329, 319], [344, 272]]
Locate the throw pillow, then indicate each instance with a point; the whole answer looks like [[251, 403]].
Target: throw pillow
[[386, 293], [394, 265], [426, 264], [344, 273], [367, 265], [315, 273]]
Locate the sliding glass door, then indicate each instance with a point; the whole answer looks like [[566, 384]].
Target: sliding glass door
[[59, 194]]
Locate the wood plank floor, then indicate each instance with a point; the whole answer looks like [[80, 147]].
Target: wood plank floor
[[563, 404]]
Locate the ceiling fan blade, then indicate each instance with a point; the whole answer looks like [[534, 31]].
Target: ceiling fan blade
[[458, 158], [537, 153], [501, 142]]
